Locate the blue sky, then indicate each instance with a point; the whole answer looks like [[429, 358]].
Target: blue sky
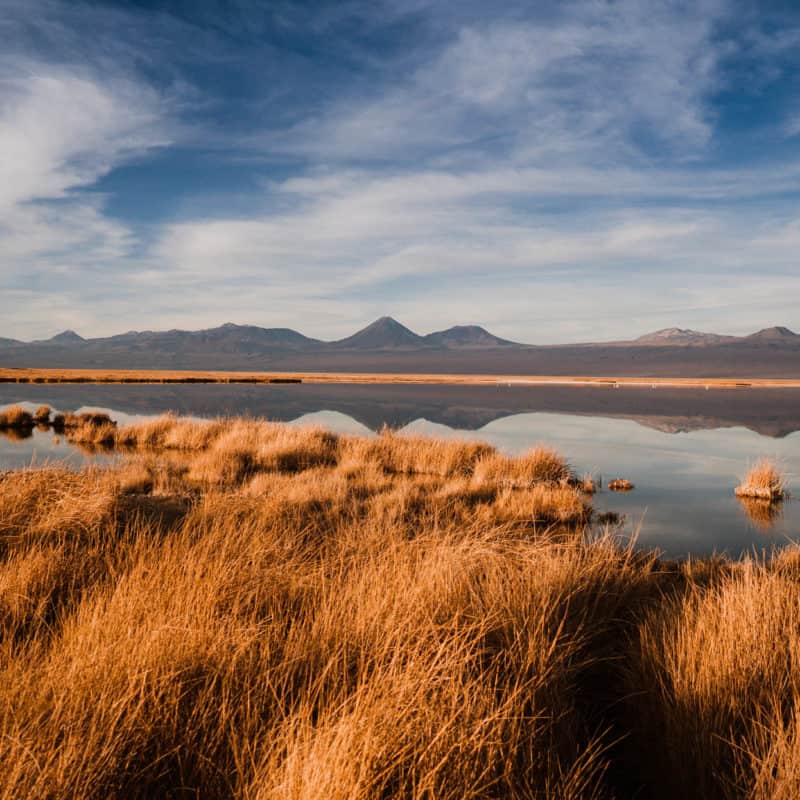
[[555, 171]]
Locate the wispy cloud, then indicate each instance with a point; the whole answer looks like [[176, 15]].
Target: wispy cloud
[[60, 129], [592, 79]]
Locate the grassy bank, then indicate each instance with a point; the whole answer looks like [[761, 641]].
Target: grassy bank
[[249, 610], [43, 375]]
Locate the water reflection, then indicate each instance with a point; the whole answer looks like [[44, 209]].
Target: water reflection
[[684, 474], [763, 514], [17, 434], [39, 446], [770, 412]]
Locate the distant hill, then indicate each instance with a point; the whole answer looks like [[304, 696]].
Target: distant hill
[[466, 336], [682, 337], [227, 337], [383, 333], [388, 346], [776, 334], [388, 333], [65, 338]]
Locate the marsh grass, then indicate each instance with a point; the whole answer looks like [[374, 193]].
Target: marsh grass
[[620, 485], [715, 675], [87, 428], [16, 418], [245, 610], [42, 415]]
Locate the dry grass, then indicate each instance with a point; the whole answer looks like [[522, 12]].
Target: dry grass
[[87, 428], [58, 375], [417, 472], [717, 676], [246, 610], [42, 415], [620, 485], [764, 481], [15, 417]]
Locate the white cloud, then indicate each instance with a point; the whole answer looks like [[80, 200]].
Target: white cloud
[[60, 131], [354, 229]]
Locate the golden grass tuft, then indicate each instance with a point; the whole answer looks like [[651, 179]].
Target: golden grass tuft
[[620, 485], [15, 417], [764, 481], [267, 611], [42, 415]]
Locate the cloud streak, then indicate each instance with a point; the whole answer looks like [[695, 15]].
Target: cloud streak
[[597, 78]]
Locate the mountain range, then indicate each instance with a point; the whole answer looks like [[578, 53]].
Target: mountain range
[[388, 346]]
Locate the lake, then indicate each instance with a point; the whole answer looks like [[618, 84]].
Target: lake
[[684, 449]]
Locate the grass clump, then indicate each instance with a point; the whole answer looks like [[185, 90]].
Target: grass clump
[[89, 428], [620, 485], [764, 481], [333, 620], [42, 415], [16, 418]]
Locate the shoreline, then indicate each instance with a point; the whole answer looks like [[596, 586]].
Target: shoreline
[[121, 376]]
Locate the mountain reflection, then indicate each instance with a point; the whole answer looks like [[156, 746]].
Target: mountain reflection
[[769, 412]]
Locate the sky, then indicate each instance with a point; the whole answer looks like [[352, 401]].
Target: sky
[[554, 171]]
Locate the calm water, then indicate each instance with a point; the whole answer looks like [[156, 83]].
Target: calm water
[[683, 449]]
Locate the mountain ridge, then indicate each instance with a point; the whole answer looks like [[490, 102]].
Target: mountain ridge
[[775, 333], [387, 346], [682, 336], [466, 335], [388, 332], [65, 338], [384, 332]]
